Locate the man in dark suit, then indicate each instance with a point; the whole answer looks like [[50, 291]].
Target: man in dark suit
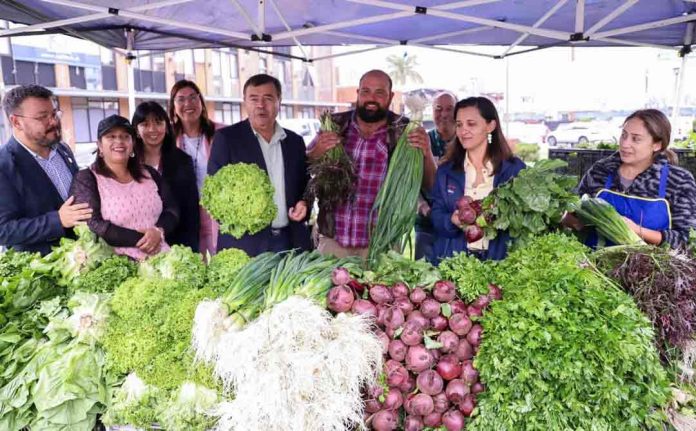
[[36, 171], [281, 153]]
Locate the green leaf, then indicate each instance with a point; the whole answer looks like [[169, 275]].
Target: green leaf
[[431, 344], [446, 310]]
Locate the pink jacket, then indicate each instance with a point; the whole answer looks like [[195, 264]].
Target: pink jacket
[[209, 227]]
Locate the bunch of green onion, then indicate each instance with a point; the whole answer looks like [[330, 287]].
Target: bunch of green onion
[[396, 202]]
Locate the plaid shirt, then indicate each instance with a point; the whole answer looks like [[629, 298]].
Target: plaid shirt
[[370, 158]]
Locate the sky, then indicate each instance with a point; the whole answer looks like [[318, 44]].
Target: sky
[[545, 81]]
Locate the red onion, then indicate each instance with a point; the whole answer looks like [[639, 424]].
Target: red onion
[[400, 290], [467, 405], [429, 382], [458, 306], [453, 420], [412, 334], [464, 350], [418, 359], [444, 291], [340, 276], [494, 292], [393, 318], [472, 310], [409, 385], [439, 322], [393, 400], [364, 307], [474, 335], [459, 324], [421, 405], [396, 373], [384, 338], [477, 388], [385, 420], [404, 305], [381, 294], [397, 350], [482, 302], [449, 340], [430, 308], [469, 373], [448, 367], [441, 402], [413, 423], [373, 406], [433, 419], [417, 316], [456, 391], [340, 299], [417, 295]]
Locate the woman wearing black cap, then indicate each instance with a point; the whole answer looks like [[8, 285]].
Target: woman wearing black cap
[[133, 209]]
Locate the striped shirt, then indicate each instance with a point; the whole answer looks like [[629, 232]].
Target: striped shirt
[[681, 192], [55, 168]]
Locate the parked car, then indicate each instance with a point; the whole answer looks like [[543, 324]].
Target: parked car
[[572, 134], [305, 127]]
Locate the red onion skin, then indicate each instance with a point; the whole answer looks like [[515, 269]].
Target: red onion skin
[[385, 420], [404, 305], [393, 400], [477, 388], [469, 373], [467, 405], [460, 324], [444, 291], [417, 316], [430, 308], [439, 323], [494, 292], [412, 334], [458, 306], [340, 299], [464, 350], [381, 294], [364, 307], [397, 350], [453, 420], [429, 382], [418, 359], [441, 402], [422, 404], [417, 295], [472, 310], [409, 385], [448, 369], [373, 406], [433, 419], [474, 335], [413, 423], [400, 290], [456, 391], [340, 276], [449, 340]]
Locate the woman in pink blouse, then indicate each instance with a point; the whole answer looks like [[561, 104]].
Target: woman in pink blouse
[[194, 131], [132, 208]]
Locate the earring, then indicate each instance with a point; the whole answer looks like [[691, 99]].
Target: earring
[[132, 154], [490, 138]]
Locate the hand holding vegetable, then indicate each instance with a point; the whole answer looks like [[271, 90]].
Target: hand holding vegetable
[[325, 142], [418, 138], [455, 219], [298, 212]]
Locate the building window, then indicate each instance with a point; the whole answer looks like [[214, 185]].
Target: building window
[[307, 112], [224, 65], [263, 65], [228, 113], [4, 41], [108, 70], [184, 65], [285, 112], [149, 73], [87, 113], [307, 90]]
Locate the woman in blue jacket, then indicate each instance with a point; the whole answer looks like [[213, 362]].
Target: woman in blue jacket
[[478, 161]]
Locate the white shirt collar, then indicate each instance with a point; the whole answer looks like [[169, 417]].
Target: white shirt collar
[[487, 166], [36, 155], [278, 134]]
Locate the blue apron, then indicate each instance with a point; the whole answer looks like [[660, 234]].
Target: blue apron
[[650, 213]]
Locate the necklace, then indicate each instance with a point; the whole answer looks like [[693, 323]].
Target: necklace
[[194, 156]]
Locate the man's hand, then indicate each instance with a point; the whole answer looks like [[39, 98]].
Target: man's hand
[[325, 142], [151, 241], [424, 209], [298, 212], [73, 214], [419, 138]]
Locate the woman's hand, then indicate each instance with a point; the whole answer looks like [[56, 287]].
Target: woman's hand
[[151, 241], [650, 236], [455, 219], [569, 220]]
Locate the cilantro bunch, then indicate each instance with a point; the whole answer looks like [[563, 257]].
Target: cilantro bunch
[[240, 197], [531, 204]]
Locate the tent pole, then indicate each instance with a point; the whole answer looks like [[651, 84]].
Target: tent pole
[[507, 97], [676, 105], [262, 16], [537, 24]]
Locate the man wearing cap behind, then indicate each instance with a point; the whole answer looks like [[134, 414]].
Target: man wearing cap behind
[[36, 170], [281, 153]]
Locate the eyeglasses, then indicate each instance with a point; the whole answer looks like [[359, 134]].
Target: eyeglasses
[[180, 100], [55, 115]]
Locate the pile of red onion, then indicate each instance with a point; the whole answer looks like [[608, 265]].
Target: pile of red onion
[[429, 341]]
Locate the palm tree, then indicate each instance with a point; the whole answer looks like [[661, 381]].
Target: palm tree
[[402, 69]]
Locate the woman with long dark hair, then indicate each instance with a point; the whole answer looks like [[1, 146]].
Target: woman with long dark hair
[[193, 133], [155, 146], [132, 207], [478, 161], [656, 198]]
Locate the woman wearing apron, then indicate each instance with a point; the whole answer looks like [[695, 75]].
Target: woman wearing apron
[[656, 198]]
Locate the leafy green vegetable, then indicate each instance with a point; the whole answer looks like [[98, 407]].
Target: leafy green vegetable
[[471, 275], [13, 262], [530, 204], [191, 408], [150, 330], [180, 263], [134, 403], [75, 257], [223, 268], [602, 216], [106, 277], [565, 348], [240, 197], [394, 267]]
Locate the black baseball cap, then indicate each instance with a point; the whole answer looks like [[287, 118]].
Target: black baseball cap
[[112, 121]]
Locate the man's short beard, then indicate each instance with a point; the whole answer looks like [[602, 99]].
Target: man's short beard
[[372, 116]]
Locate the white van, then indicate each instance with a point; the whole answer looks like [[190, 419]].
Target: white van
[[305, 127]]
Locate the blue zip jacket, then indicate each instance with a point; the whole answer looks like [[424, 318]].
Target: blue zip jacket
[[448, 188]]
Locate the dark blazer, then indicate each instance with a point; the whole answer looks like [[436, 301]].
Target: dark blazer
[[238, 144], [448, 188], [29, 201], [86, 189], [178, 173]]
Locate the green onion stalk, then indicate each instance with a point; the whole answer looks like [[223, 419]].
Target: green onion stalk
[[609, 224], [397, 200], [245, 294], [332, 175]]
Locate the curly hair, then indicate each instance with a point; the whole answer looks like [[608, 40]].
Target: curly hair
[[14, 98]]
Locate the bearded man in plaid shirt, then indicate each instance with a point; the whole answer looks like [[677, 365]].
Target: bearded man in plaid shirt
[[369, 135]]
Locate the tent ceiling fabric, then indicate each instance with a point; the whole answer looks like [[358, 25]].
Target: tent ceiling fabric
[[180, 24]]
